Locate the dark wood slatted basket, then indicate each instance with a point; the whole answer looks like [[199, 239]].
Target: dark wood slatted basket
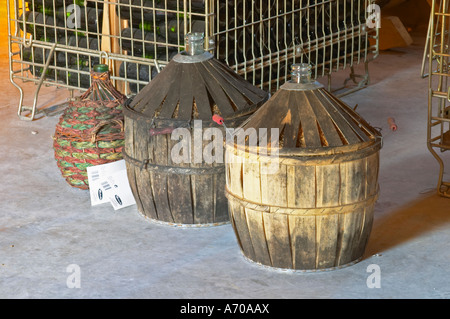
[[193, 86], [314, 209]]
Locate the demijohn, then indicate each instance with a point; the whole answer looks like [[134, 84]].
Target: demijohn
[[184, 97], [302, 197], [91, 129]]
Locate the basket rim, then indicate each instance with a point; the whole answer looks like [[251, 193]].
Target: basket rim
[[329, 154]]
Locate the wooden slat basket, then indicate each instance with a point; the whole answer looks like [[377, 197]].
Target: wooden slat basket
[[192, 88], [307, 203]]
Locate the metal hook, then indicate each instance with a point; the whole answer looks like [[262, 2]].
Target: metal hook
[[104, 54], [27, 43]]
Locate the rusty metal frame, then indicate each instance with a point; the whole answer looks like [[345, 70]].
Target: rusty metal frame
[[438, 54]]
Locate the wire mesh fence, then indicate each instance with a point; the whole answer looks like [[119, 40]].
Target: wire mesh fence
[[56, 42]]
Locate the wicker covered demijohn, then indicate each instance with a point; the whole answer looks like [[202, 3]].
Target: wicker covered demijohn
[[90, 131], [187, 93], [304, 200]]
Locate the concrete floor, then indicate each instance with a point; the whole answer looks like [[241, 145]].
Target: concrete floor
[[46, 225]]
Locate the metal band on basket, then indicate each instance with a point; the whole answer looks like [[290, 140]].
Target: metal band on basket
[[157, 168], [299, 211]]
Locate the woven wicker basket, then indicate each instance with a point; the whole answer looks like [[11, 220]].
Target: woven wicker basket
[[90, 131]]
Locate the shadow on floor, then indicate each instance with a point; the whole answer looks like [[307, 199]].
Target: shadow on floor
[[408, 222]]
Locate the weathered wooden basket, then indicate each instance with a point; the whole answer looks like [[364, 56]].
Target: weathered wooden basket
[[186, 94], [91, 130], [307, 203]]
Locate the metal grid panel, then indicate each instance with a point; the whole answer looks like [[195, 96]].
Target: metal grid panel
[[56, 42], [263, 40], [438, 47]]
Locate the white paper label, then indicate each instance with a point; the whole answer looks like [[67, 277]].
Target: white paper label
[[109, 183]]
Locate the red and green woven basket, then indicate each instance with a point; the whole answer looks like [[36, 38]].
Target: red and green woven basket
[[90, 131]]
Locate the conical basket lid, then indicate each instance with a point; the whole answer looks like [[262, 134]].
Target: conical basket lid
[[195, 87], [311, 120]]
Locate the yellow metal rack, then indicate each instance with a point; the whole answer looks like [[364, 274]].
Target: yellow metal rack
[[438, 53]]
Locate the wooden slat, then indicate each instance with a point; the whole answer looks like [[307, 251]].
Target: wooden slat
[[276, 231], [156, 89], [159, 190], [302, 235], [233, 92], [203, 194], [185, 93], [204, 190], [267, 117], [301, 186], [366, 227], [129, 148], [159, 181], [171, 100], [145, 194], [254, 94], [350, 228], [308, 121], [323, 118], [291, 122], [256, 229], [170, 103], [372, 167], [341, 123], [228, 159], [239, 222], [273, 186], [326, 234], [328, 186], [215, 90], [201, 97], [291, 186], [351, 132], [251, 181], [220, 201], [179, 191], [180, 200], [234, 181], [356, 122], [353, 181], [141, 152]]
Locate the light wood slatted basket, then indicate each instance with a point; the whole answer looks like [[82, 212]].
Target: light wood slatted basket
[[314, 211]]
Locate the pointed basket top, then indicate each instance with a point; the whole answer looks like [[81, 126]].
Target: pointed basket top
[[194, 85], [101, 89], [310, 120]]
